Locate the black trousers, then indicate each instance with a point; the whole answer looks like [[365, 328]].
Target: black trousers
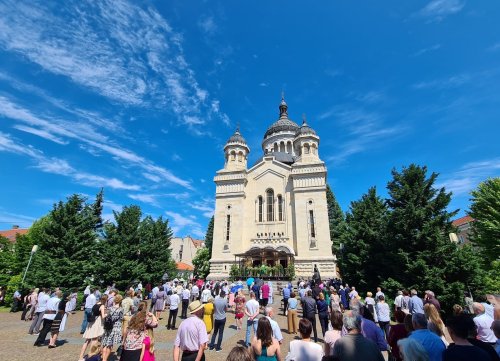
[[47, 324], [191, 356], [285, 305], [171, 318], [218, 329], [323, 321], [312, 318], [185, 304]]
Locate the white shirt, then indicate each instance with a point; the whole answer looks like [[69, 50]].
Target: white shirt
[[185, 294], [252, 306], [195, 290], [174, 301], [205, 295], [90, 301], [276, 329], [139, 286], [304, 351], [484, 333], [42, 302], [52, 305], [398, 301], [155, 291]]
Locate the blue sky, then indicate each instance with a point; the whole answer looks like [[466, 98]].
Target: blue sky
[[140, 97]]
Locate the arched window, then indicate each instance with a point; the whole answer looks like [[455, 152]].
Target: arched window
[[314, 149], [306, 148], [311, 223], [282, 147], [270, 205], [228, 227], [280, 208], [289, 147], [240, 157], [233, 156], [275, 147], [261, 208]]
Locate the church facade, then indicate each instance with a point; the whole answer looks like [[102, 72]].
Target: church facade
[[275, 211]]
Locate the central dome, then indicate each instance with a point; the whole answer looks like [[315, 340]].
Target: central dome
[[282, 124]]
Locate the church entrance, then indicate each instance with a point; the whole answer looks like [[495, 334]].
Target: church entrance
[[266, 263]]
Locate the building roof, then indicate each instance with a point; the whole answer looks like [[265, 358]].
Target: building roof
[[198, 243], [463, 220], [11, 234], [236, 138], [305, 129], [181, 266], [283, 123], [279, 156]]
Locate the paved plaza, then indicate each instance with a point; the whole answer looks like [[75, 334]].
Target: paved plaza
[[17, 345]]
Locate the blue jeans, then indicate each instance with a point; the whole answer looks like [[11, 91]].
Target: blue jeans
[[250, 325], [87, 312]]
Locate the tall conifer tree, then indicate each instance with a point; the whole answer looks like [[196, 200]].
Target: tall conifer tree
[[336, 218]]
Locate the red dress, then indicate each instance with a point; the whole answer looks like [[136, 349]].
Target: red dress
[[148, 355]]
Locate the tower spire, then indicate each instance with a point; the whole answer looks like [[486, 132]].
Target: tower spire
[[283, 106]]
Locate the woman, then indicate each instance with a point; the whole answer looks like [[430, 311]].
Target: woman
[[208, 315], [95, 329], [322, 306], [264, 346], [397, 332], [72, 300], [412, 350], [160, 302], [56, 324], [113, 336], [370, 304], [239, 309], [434, 322], [271, 292], [33, 300], [383, 314], [334, 301], [304, 349], [136, 332], [292, 314], [335, 334]]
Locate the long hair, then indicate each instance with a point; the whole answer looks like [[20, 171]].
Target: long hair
[[138, 321], [265, 332], [433, 316], [151, 336]]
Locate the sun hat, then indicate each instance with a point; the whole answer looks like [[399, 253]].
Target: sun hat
[[195, 306]]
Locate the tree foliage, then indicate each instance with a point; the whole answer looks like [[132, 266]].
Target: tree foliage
[[364, 240], [209, 236], [485, 209], [201, 263], [336, 219]]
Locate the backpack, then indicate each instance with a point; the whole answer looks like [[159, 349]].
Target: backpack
[[108, 322]]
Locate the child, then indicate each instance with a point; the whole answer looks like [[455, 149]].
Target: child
[[148, 346], [95, 353]]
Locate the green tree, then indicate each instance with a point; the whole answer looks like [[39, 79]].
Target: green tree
[[418, 228], [485, 209], [121, 261], [155, 252], [7, 257], [67, 243], [364, 241], [201, 263], [336, 219], [209, 236]]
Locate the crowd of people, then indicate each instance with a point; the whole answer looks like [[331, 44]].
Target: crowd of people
[[351, 327]]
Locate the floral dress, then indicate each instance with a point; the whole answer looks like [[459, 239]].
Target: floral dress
[[113, 336]]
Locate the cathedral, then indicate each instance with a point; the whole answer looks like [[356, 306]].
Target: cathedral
[[273, 212]]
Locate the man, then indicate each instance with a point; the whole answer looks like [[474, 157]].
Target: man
[[89, 303], [174, 308], [16, 301], [192, 336], [206, 294], [155, 290], [185, 301], [378, 294], [398, 301], [220, 308], [286, 296], [353, 294], [195, 292], [431, 298], [431, 342], [354, 346], [111, 298], [269, 312], [252, 311], [309, 309], [265, 294], [415, 304], [43, 297], [483, 323], [48, 318], [462, 349], [369, 329], [128, 309]]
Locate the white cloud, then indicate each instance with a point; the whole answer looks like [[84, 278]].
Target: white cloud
[[41, 133], [426, 50], [470, 175], [264, 84], [11, 219], [145, 198], [437, 10], [444, 83], [187, 225], [208, 25], [206, 206]]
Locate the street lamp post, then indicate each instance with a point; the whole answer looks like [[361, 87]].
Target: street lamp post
[[33, 250]]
